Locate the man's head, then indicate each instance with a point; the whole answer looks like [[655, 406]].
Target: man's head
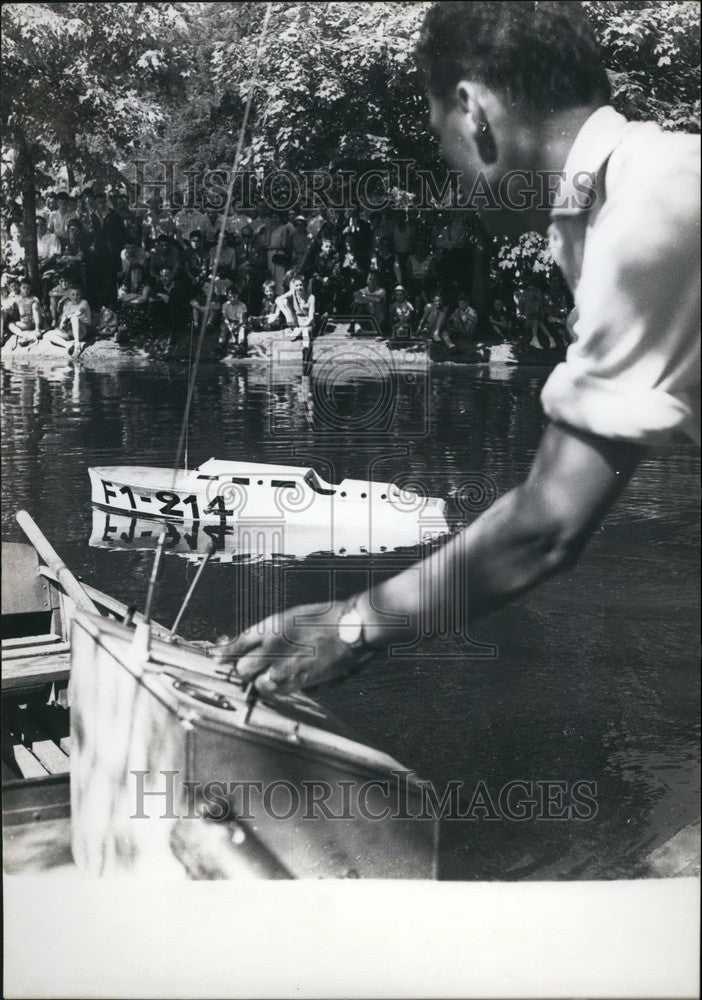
[[326, 245], [233, 293], [166, 275], [500, 77], [101, 201], [51, 201], [74, 228], [196, 239], [372, 280]]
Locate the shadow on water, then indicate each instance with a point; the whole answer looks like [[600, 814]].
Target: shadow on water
[[591, 679]]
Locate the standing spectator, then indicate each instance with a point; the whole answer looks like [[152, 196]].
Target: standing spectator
[[421, 273], [385, 262], [73, 253], [250, 269], [404, 238], [279, 254], [189, 219], [358, 235], [59, 212], [108, 241], [299, 243], [227, 257], [157, 222]]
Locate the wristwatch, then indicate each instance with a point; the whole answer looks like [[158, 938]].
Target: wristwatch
[[350, 632], [350, 627]]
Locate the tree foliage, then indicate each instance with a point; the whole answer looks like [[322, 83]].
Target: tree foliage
[[83, 82]]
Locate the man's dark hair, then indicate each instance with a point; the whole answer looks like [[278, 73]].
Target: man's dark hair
[[543, 56]]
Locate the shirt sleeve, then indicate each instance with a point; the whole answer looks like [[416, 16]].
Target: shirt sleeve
[[632, 371]]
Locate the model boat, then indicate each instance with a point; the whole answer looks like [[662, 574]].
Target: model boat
[[268, 495]]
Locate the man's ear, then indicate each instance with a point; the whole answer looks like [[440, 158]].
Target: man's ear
[[477, 121]]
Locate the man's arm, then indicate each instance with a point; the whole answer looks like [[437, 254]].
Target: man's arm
[[534, 531], [537, 529]]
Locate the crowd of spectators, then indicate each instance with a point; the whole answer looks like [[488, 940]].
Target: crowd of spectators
[[149, 271]]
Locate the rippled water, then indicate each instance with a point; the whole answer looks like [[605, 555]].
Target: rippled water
[[596, 675]]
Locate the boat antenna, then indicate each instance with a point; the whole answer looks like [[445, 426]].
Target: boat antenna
[[194, 364], [220, 240]]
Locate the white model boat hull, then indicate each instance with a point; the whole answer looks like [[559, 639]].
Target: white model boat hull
[[377, 516]]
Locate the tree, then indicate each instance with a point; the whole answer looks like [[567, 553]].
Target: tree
[[82, 82]]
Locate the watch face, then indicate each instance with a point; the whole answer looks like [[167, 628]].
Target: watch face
[[350, 627]]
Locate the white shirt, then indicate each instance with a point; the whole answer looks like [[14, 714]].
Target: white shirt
[[632, 261]]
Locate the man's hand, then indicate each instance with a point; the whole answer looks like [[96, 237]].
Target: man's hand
[[297, 649]]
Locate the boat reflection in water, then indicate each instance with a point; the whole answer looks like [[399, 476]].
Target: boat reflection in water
[[258, 540]]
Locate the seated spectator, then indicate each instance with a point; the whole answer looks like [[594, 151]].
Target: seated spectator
[[500, 322], [132, 253], [216, 288], [73, 253], [269, 309], [170, 308], [528, 301], [196, 261], [234, 327], [165, 254], [324, 266], [227, 257], [401, 314], [433, 322], [134, 296], [27, 326], [8, 304], [58, 295], [298, 310], [385, 262], [464, 321], [350, 278], [187, 220], [369, 301], [74, 325]]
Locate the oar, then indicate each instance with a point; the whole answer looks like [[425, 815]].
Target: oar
[[52, 559]]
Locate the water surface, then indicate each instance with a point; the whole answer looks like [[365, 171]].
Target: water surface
[[593, 678]]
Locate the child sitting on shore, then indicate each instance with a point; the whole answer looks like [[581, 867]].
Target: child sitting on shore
[[233, 320], [8, 304], [268, 308], [433, 322], [74, 324], [401, 314], [464, 320], [27, 326]]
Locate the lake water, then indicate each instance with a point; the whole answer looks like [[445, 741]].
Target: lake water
[[593, 678]]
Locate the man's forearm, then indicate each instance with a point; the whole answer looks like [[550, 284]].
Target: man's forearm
[[504, 553], [532, 532]]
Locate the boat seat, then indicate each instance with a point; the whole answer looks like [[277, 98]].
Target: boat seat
[[28, 601]]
